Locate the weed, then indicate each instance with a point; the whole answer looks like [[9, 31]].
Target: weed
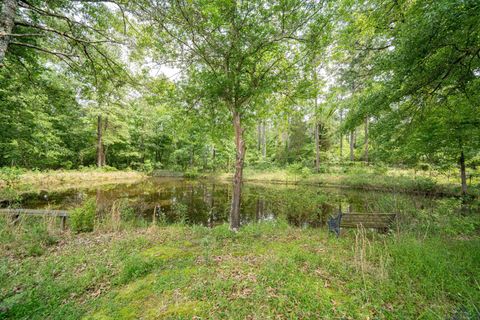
[[83, 219]]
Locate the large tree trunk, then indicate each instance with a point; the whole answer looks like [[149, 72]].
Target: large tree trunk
[[237, 178], [366, 139], [463, 174], [100, 153], [7, 22], [352, 145]]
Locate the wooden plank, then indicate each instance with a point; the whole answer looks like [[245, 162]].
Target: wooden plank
[[36, 212], [367, 220], [369, 214]]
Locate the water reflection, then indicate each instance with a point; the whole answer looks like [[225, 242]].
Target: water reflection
[[208, 203]]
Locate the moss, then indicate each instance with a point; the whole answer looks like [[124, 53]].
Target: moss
[[163, 252], [184, 310], [262, 272]]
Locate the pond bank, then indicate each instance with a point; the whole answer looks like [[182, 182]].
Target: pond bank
[[266, 270], [67, 178], [361, 181]]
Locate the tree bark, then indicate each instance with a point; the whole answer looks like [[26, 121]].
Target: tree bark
[[264, 141], [341, 135], [463, 174], [366, 139], [237, 178], [8, 11], [352, 145], [100, 153], [104, 149], [259, 136], [317, 148], [316, 131]]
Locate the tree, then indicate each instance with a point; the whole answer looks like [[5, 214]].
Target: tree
[[237, 51], [424, 65], [71, 31]]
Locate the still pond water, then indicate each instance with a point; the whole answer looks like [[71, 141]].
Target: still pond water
[[207, 203]]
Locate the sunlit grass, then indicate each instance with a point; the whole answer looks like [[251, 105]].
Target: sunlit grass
[[265, 271]]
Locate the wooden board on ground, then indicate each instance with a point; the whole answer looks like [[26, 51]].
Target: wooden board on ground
[[15, 213], [367, 220]]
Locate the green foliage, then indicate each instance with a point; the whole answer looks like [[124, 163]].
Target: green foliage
[[181, 211], [134, 267], [32, 236], [11, 175], [257, 271], [191, 173], [82, 219]]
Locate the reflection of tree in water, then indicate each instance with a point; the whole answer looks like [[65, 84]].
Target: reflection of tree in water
[[208, 203]]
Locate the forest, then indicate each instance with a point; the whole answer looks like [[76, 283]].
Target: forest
[[239, 159]]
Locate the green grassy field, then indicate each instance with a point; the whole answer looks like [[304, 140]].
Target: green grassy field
[[265, 271]]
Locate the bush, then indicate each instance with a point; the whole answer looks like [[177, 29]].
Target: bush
[[295, 168], [181, 211], [83, 219], [127, 213], [305, 172], [10, 175], [380, 169], [191, 173], [323, 168], [109, 169]]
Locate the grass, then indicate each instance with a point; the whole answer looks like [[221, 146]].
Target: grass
[[55, 179], [265, 271], [359, 177], [365, 178]]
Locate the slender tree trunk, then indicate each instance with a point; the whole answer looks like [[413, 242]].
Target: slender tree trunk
[[287, 138], [366, 139], [104, 149], [104, 155], [99, 142], [352, 145], [316, 131], [463, 175], [341, 135], [237, 178], [214, 151], [317, 147], [264, 141], [259, 136], [261, 140], [8, 11]]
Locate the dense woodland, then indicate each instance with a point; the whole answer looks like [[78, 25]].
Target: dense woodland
[[207, 85], [126, 126]]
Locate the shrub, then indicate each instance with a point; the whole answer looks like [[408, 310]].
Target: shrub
[[83, 219], [323, 168], [10, 175], [181, 211], [191, 173], [305, 172], [109, 169], [380, 169], [127, 213]]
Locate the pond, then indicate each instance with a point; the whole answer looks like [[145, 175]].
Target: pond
[[207, 203]]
